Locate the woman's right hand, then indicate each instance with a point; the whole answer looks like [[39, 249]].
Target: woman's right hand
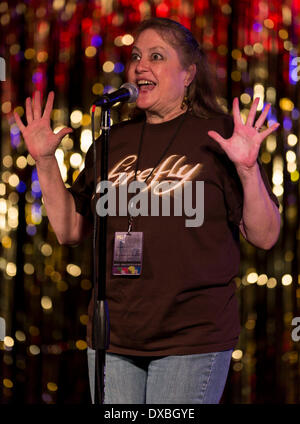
[[40, 140]]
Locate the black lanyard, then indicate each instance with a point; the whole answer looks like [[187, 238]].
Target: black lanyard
[[184, 115], [164, 152]]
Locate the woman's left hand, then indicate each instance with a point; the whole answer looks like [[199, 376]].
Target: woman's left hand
[[243, 146]]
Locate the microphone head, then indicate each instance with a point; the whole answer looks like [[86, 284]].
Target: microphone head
[[133, 91]]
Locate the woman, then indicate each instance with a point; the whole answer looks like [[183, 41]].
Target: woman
[[174, 326]]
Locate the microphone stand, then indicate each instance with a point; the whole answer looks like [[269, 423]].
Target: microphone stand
[[100, 338]]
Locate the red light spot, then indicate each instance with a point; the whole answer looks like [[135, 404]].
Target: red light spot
[[162, 10], [86, 24]]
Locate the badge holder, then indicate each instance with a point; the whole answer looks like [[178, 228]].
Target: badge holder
[[128, 252]]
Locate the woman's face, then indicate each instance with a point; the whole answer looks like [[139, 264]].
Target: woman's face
[[155, 68]]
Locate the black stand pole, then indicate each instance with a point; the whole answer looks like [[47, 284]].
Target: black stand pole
[[101, 316]]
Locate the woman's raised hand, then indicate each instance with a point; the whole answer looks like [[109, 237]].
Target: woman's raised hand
[[243, 146], [40, 140]]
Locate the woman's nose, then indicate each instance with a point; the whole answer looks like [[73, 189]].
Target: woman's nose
[[142, 65]]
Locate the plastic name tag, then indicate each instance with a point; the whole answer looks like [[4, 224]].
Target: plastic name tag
[[128, 253]]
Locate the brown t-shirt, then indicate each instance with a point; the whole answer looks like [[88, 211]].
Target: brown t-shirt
[[184, 301]]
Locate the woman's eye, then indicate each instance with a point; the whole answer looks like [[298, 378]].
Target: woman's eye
[[157, 56], [135, 56]]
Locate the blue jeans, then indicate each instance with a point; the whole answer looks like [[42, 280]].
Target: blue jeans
[[182, 379]]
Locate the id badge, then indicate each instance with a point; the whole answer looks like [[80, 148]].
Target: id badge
[[128, 253]]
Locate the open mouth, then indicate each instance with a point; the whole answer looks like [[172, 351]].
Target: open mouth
[[146, 85]]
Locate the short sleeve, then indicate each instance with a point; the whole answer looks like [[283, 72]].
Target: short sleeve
[[83, 187], [233, 194]]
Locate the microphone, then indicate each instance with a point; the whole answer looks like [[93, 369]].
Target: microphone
[[128, 92]]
